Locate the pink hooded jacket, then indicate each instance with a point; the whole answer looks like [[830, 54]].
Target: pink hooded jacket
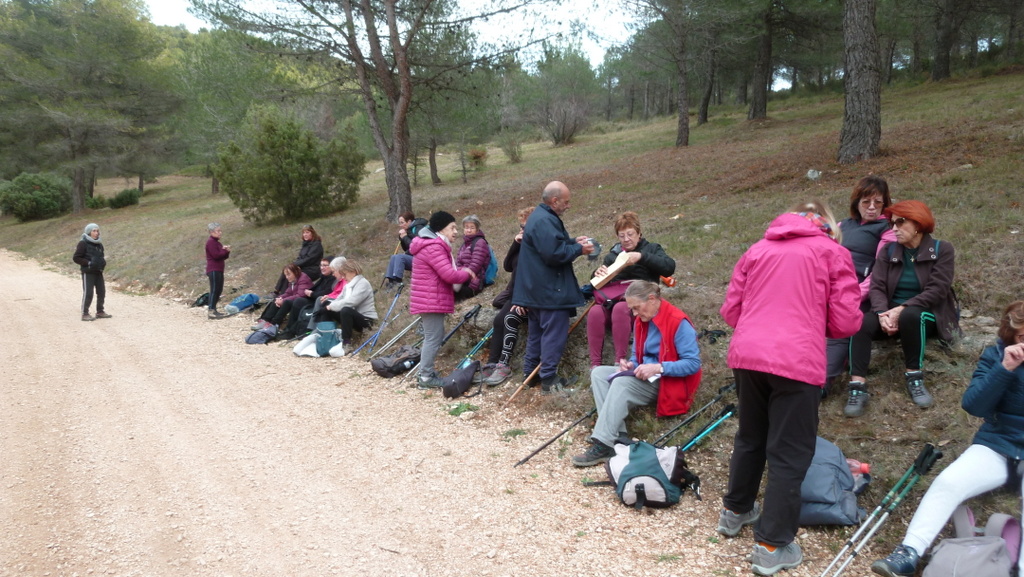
[[788, 293], [433, 274]]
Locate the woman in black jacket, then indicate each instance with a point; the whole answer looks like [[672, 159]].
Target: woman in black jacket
[[310, 255], [89, 256]]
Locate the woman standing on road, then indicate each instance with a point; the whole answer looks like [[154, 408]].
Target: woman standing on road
[[216, 254], [788, 293], [89, 256]]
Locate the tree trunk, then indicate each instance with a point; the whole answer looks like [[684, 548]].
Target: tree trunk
[[647, 99], [862, 119], [214, 186], [78, 189], [432, 159], [890, 56], [632, 100], [741, 90], [762, 72], [682, 93], [142, 185], [608, 101], [91, 190], [709, 83], [945, 33], [1011, 31]]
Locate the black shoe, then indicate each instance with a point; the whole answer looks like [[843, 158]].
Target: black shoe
[[556, 384], [285, 335], [597, 453]]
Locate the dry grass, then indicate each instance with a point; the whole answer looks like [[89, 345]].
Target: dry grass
[[956, 145]]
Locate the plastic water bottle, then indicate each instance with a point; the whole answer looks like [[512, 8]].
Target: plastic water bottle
[[861, 475], [407, 364], [231, 309]]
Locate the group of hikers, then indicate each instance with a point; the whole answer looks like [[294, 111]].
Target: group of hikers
[[832, 288]]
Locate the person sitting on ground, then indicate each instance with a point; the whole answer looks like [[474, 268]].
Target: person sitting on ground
[[401, 261], [664, 368], [321, 287], [275, 312], [435, 278], [216, 254], [354, 309], [647, 261], [474, 254], [912, 298], [509, 318], [864, 235], [996, 394], [310, 254]]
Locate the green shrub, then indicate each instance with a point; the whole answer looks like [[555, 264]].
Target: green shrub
[[511, 143], [96, 202], [36, 196], [126, 197], [278, 169]]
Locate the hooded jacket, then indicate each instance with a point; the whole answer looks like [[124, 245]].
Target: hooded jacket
[[997, 395], [474, 254], [789, 292], [89, 255], [433, 274]]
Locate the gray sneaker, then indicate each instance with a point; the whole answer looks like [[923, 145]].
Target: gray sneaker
[[557, 384], [429, 382], [916, 390], [500, 373], [483, 373], [765, 562], [857, 401], [597, 453], [729, 523], [88, 317]]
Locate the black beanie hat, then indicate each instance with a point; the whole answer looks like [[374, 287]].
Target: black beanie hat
[[439, 220]]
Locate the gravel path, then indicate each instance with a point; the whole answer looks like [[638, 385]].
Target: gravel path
[[158, 443]]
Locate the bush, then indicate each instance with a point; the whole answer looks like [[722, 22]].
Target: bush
[[36, 196], [477, 157], [96, 202], [511, 143], [281, 170], [126, 197]]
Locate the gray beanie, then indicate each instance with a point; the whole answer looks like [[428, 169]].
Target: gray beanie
[[90, 227]]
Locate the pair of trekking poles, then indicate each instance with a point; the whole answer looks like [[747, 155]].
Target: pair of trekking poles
[[927, 457]]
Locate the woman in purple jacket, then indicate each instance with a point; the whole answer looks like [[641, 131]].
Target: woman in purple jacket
[[474, 254], [435, 278], [216, 254], [297, 283]]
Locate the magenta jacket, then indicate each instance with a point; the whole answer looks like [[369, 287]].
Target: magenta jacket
[[433, 274], [297, 288], [474, 254], [789, 292]]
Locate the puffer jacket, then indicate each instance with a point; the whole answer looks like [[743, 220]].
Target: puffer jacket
[[310, 255], [997, 395], [545, 278], [789, 292], [89, 256], [653, 263], [433, 274], [297, 288], [474, 254]]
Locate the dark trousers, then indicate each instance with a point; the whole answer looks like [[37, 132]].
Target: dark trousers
[[92, 282], [274, 314], [549, 331], [216, 287], [506, 333], [838, 350], [778, 426], [295, 324], [348, 320], [915, 326]]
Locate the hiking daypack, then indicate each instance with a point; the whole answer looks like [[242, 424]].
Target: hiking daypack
[[645, 475], [405, 358], [262, 336], [976, 552], [491, 272], [416, 226], [329, 339], [826, 494], [457, 383], [202, 301], [242, 302]]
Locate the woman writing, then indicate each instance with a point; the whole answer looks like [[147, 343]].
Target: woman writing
[[996, 394], [911, 297], [353, 309]]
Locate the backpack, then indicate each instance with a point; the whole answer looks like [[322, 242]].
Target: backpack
[[262, 336], [242, 302], [491, 272], [461, 379], [645, 475], [416, 226], [826, 495], [328, 340], [202, 301], [976, 552], [405, 358]]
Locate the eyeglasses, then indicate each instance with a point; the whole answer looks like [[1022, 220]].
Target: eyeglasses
[[628, 235], [899, 221], [872, 202], [325, 265]]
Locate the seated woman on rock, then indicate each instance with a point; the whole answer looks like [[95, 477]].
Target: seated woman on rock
[[474, 254], [911, 297], [402, 261], [321, 287], [276, 311], [310, 253], [647, 261], [354, 309]]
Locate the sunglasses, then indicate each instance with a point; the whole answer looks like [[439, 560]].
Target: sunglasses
[[898, 221]]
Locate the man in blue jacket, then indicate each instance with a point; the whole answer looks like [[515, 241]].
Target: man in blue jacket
[[546, 284]]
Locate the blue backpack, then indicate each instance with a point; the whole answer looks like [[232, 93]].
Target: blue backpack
[[242, 302]]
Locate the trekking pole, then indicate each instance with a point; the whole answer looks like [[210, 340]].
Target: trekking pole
[[415, 370], [726, 412], [372, 341], [469, 356], [894, 497], [556, 437], [663, 440], [536, 369], [396, 338]]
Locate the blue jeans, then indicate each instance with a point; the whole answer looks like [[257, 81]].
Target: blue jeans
[[397, 265]]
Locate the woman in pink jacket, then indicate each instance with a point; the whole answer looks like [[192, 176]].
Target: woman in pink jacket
[[435, 279], [788, 292]]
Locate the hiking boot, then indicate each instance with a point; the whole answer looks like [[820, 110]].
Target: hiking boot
[[259, 325], [285, 335], [597, 453], [857, 402], [729, 523], [916, 390], [499, 374], [88, 317], [426, 382], [902, 562], [103, 315], [767, 562], [215, 315], [555, 384], [482, 374]]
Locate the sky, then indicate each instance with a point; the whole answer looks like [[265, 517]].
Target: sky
[[609, 27]]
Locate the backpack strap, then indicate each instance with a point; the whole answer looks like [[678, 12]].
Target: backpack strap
[[1007, 527], [963, 522]]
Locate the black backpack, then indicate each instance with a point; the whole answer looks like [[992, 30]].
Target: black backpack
[[405, 358]]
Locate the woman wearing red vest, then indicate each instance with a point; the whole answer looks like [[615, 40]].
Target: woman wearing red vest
[[664, 368]]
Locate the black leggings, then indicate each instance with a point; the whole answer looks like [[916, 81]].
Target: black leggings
[[274, 314], [216, 287], [506, 333], [915, 325], [93, 282], [348, 319]]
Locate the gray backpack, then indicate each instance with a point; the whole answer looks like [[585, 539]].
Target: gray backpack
[[826, 495], [262, 336], [976, 552]]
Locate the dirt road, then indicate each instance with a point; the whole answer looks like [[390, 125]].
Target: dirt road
[[158, 443]]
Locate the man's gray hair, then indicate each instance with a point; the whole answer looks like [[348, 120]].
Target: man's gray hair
[[552, 191]]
